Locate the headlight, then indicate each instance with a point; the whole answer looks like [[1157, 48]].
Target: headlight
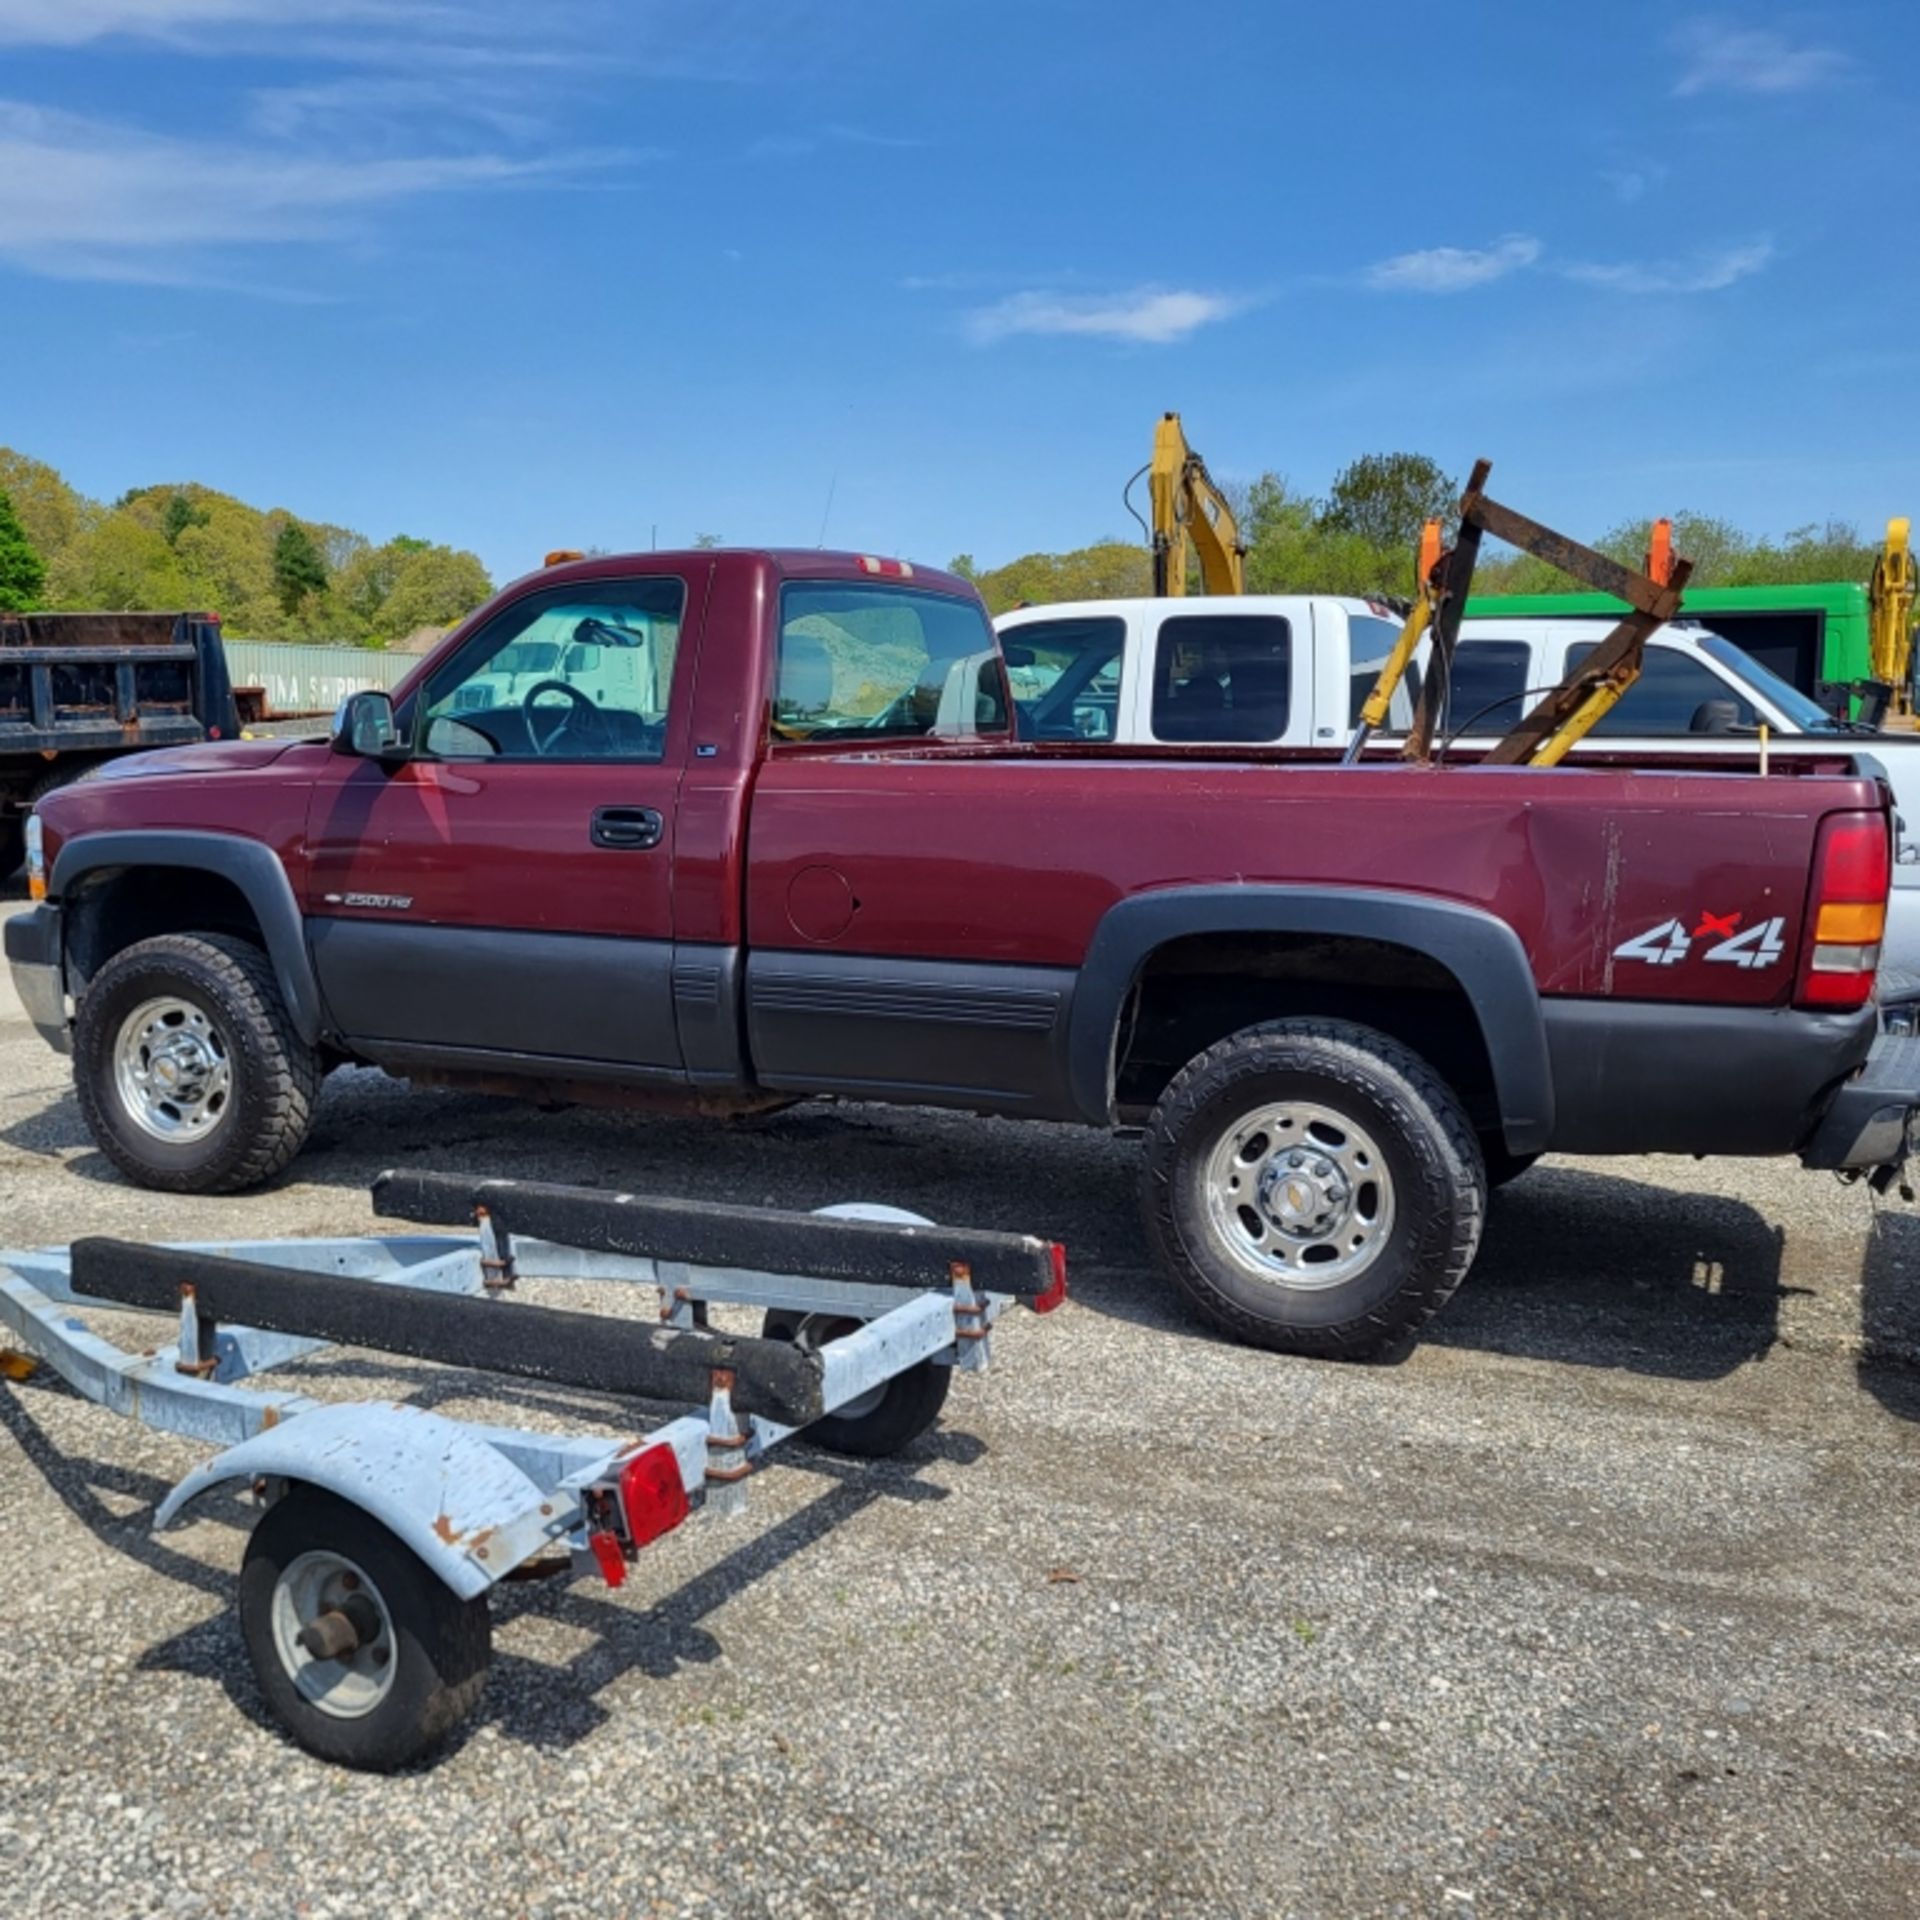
[[36, 859]]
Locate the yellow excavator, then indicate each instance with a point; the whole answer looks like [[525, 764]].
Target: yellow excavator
[[1191, 519], [1890, 601]]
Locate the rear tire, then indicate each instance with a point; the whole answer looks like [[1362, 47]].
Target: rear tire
[[879, 1423], [418, 1676], [1313, 1187], [209, 1004]]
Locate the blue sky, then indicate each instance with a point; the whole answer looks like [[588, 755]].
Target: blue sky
[[562, 272]]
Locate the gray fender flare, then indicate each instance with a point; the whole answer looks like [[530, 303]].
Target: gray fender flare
[[1480, 950], [251, 866], [432, 1482]]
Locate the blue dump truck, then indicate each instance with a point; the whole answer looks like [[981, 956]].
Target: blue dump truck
[[80, 688]]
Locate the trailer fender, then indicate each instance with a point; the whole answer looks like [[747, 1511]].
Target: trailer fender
[[1482, 953], [440, 1488], [251, 866]]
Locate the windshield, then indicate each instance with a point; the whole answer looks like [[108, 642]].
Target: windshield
[[1806, 714]]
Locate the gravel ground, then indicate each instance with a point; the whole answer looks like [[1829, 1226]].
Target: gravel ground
[[1599, 1603]]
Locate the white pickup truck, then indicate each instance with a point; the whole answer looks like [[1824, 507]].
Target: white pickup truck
[[1289, 670]]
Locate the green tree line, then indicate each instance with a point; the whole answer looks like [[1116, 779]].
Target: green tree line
[[269, 574], [1364, 535]]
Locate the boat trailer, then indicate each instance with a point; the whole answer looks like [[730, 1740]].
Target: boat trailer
[[383, 1526]]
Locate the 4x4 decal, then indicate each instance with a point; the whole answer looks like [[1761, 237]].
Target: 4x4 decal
[[1670, 942]]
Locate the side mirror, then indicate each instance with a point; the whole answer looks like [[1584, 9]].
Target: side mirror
[[363, 726]]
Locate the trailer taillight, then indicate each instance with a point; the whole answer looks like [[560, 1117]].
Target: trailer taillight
[[1852, 870], [1056, 1293], [652, 1495]]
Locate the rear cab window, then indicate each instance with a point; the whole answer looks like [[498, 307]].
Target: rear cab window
[[884, 661], [1222, 677], [1066, 677]]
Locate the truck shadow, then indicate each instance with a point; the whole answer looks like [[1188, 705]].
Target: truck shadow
[[1595, 1270], [549, 1703], [1577, 1266], [1890, 1313]]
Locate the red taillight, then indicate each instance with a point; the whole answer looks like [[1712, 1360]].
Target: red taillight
[[652, 1494], [1056, 1293], [1847, 913]]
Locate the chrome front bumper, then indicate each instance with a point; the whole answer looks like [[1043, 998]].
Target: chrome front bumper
[[32, 942]]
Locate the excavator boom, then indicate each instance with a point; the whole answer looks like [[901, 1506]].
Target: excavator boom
[[1890, 611], [1191, 518]]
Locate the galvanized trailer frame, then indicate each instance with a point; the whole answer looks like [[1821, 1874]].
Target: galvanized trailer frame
[[477, 1504]]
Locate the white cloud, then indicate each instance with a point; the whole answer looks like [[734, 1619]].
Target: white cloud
[[1705, 273], [1454, 269], [84, 198], [73, 23], [399, 110], [1724, 58], [1631, 184], [793, 146], [1149, 316]]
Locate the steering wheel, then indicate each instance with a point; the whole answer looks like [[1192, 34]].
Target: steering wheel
[[544, 745]]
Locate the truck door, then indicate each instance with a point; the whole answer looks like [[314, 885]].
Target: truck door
[[508, 889]]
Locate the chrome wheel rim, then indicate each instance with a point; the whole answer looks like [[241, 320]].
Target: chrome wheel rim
[[1299, 1195], [353, 1685], [172, 1071]]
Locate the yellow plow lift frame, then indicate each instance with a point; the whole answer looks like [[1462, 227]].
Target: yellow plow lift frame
[[1569, 712]]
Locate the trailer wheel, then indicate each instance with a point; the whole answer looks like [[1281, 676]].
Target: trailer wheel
[[363, 1653], [882, 1420], [1314, 1187], [190, 1075]]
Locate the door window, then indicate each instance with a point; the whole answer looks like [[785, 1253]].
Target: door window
[[1369, 641], [1065, 676], [1674, 694], [1222, 677], [581, 672]]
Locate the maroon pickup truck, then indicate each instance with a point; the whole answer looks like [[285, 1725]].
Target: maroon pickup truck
[[733, 828]]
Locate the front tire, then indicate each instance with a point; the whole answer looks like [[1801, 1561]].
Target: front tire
[[191, 1076], [1313, 1187], [418, 1662]]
